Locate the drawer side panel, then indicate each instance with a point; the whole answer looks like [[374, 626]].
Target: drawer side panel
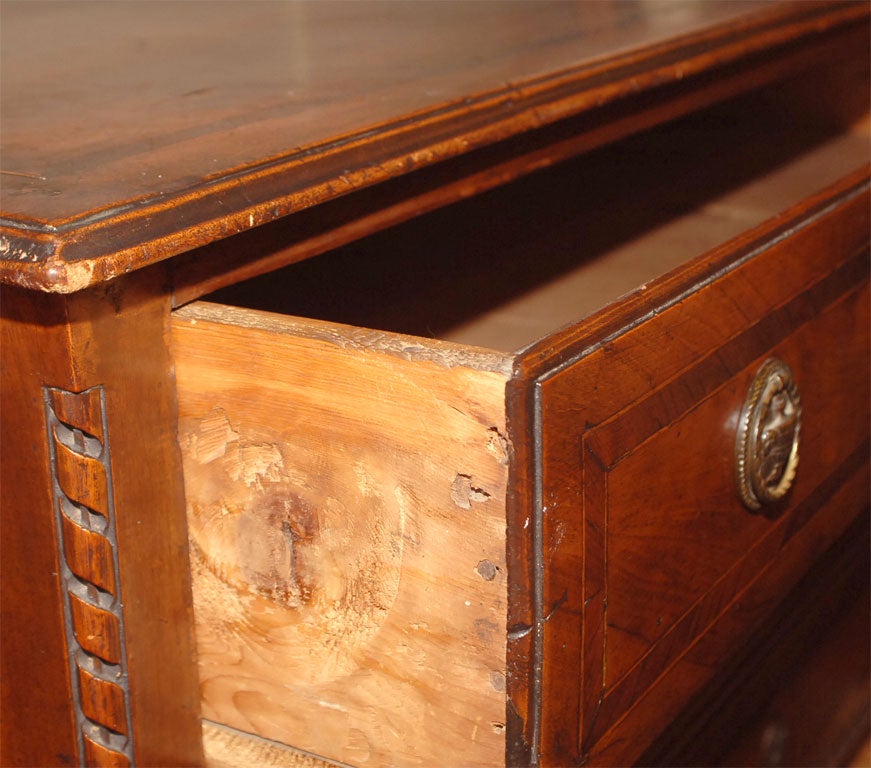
[[347, 517]]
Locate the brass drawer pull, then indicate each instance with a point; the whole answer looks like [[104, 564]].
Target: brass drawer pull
[[766, 447]]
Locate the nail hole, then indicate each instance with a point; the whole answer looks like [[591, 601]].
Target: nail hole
[[497, 680], [487, 570]]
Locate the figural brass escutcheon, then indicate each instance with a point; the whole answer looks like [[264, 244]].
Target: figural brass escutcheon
[[766, 447]]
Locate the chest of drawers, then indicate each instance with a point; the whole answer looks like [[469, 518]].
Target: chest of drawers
[[468, 404]]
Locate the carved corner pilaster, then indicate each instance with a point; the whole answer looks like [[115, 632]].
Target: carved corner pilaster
[[93, 610]]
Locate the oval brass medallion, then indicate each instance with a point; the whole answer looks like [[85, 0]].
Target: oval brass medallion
[[766, 448]]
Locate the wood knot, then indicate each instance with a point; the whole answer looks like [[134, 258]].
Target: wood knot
[[272, 544]]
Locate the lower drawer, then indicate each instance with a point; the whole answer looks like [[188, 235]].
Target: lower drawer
[[797, 693], [409, 551]]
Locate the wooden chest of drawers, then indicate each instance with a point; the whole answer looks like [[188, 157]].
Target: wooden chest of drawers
[[500, 426]]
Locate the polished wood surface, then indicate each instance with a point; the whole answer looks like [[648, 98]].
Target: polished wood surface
[[838, 95], [820, 713], [154, 153], [95, 595], [796, 693], [114, 170], [629, 522], [36, 691]]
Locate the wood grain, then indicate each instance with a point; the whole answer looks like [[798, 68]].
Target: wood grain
[[347, 516], [627, 450], [840, 97], [650, 528], [796, 691], [408, 550], [222, 155], [228, 748], [821, 712], [750, 610], [645, 555], [38, 727], [56, 354]]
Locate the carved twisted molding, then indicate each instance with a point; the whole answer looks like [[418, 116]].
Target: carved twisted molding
[[86, 535]]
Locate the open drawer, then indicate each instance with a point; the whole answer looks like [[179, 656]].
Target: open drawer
[[413, 545]]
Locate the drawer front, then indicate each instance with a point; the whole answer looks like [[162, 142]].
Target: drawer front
[[651, 566]]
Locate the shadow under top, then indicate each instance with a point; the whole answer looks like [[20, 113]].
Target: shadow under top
[[132, 132]]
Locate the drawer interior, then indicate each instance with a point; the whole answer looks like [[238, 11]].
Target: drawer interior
[[506, 268]]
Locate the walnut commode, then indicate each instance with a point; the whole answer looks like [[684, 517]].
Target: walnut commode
[[417, 384]]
